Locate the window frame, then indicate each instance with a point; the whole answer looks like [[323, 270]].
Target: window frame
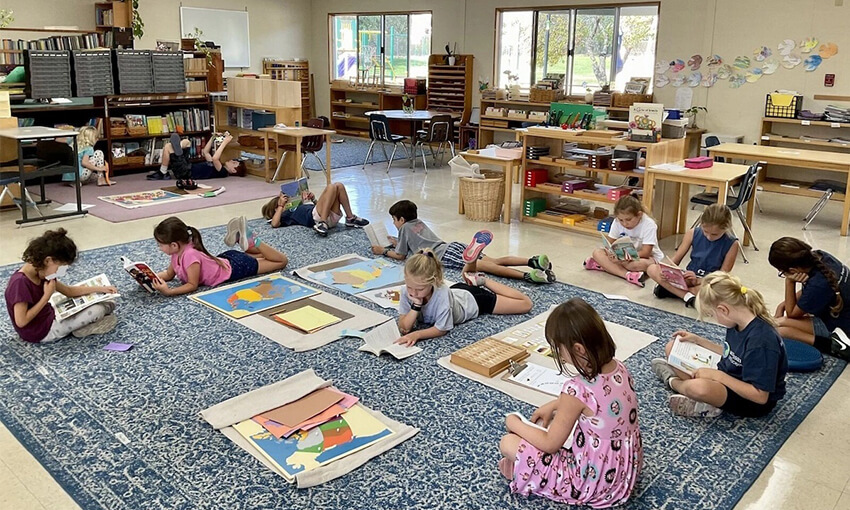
[[332, 39], [574, 11]]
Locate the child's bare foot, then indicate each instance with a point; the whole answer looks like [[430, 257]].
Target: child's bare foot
[[506, 467]]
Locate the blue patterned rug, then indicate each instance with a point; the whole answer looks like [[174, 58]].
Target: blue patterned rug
[[67, 401], [351, 152]]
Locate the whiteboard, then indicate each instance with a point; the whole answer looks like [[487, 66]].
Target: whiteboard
[[228, 29]]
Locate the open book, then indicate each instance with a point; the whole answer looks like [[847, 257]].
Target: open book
[[294, 191], [623, 248], [567, 444], [67, 306], [142, 273], [690, 357], [377, 234], [674, 275], [381, 338]]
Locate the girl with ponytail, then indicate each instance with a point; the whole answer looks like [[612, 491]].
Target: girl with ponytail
[[192, 264], [750, 378], [819, 313]]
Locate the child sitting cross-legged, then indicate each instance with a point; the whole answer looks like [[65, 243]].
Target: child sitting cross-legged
[[712, 247], [601, 466], [426, 299], [750, 378], [414, 235]]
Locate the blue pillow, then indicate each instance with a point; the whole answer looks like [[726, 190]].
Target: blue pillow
[[802, 357]]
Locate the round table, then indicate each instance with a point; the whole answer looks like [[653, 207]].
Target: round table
[[416, 119]]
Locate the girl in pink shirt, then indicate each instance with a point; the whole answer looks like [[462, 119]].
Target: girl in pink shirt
[[192, 264]]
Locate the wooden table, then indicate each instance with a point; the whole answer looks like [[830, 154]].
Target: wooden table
[[296, 133], [693, 136], [721, 176], [415, 119], [802, 158], [21, 135], [508, 165]]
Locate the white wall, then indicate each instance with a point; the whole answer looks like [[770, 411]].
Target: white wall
[[277, 28]]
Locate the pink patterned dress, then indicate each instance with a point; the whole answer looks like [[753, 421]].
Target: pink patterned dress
[[602, 466]]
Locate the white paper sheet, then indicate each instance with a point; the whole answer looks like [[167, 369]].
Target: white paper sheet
[[382, 338], [540, 378], [72, 207]]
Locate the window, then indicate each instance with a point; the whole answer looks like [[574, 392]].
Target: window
[[590, 47], [380, 48]]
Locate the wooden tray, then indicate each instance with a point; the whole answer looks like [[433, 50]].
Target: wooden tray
[[487, 357]]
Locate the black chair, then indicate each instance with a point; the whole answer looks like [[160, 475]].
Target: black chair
[[711, 141], [310, 145], [380, 132], [735, 202], [829, 188], [437, 132]]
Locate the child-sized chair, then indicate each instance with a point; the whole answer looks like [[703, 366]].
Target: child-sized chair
[[436, 132], [379, 132], [310, 145]]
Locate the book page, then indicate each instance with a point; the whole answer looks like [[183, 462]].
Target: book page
[[690, 357], [65, 306], [380, 339], [674, 276], [567, 444], [540, 378], [377, 234]]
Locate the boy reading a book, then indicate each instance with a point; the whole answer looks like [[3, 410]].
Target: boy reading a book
[[321, 215]]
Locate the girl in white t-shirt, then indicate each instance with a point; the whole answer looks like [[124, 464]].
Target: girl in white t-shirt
[[629, 220]]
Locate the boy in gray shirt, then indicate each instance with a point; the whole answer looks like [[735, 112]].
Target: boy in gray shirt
[[414, 235]]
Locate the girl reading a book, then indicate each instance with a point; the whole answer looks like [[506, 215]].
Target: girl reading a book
[[89, 160], [712, 247], [819, 313], [193, 265], [321, 215], [598, 404], [630, 220], [28, 292], [426, 299], [750, 377]]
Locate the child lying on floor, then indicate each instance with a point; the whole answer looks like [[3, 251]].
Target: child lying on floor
[[321, 215]]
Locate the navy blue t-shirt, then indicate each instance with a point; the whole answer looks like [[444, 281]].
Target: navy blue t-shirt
[[756, 355], [708, 256], [301, 215], [817, 296]]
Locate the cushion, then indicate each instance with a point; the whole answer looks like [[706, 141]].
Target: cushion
[[802, 357]]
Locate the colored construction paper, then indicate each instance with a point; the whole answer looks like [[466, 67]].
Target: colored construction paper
[[278, 430], [307, 318], [115, 346], [305, 407]]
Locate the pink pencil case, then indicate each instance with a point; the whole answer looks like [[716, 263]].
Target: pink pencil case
[[699, 162]]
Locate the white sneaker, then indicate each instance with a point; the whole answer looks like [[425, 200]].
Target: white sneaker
[[840, 344], [684, 406], [237, 233]]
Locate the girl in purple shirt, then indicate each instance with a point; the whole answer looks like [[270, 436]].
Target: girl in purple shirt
[[192, 264]]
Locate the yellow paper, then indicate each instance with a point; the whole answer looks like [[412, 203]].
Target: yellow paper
[[781, 99], [308, 318]]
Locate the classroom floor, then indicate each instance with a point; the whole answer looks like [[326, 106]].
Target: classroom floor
[[811, 468]]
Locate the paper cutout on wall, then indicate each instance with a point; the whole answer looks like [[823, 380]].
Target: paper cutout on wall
[[791, 61], [709, 80], [714, 61], [678, 80], [812, 62], [694, 62], [736, 80], [762, 53], [677, 65], [827, 50], [725, 72], [808, 44], [661, 80], [769, 66], [662, 67], [694, 79], [754, 74], [742, 62], [786, 47]]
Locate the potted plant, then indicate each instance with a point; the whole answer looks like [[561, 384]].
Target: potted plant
[[138, 24], [512, 86], [692, 115], [200, 46]]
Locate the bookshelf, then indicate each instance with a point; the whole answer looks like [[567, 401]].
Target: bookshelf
[[450, 86], [113, 20], [355, 102], [12, 49], [293, 70], [203, 75]]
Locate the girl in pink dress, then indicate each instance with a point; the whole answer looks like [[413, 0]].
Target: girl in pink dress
[[601, 466]]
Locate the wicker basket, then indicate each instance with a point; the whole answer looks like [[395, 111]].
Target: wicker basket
[[118, 131], [545, 96], [621, 100], [483, 198], [137, 130]]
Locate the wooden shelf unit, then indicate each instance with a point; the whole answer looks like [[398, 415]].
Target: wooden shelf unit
[[789, 132], [450, 87], [293, 70], [667, 150], [203, 75], [356, 102]]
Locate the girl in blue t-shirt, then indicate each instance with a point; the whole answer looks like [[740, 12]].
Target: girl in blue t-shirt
[[89, 160], [712, 247], [750, 378], [818, 314]]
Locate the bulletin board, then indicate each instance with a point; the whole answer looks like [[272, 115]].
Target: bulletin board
[[227, 28]]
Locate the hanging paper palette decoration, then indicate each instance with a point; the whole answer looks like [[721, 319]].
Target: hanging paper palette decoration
[[677, 65], [661, 80], [742, 62], [769, 66], [791, 61], [714, 61], [709, 80], [786, 47], [754, 74], [762, 53], [812, 62], [725, 71], [678, 80], [694, 79], [828, 50], [808, 44], [662, 67], [736, 80], [694, 62]]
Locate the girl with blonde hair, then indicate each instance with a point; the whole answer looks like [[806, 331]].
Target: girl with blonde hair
[[89, 160]]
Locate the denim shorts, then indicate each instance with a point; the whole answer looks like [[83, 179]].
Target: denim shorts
[[819, 327], [241, 264]]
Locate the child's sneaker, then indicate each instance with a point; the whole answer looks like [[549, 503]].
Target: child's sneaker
[[634, 277], [550, 275], [663, 371], [591, 265], [536, 276], [99, 327], [321, 228], [684, 406], [539, 262], [237, 232], [356, 222], [479, 241], [661, 293], [474, 279], [840, 344]]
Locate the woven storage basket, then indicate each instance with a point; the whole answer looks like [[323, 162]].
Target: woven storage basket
[[483, 198]]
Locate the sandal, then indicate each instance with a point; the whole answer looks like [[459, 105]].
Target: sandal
[[591, 265], [634, 277]]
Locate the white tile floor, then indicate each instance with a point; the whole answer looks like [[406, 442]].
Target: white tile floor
[[811, 470]]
